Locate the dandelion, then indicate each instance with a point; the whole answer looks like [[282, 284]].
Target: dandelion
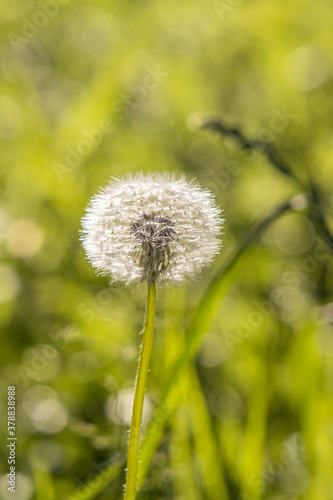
[[158, 229]]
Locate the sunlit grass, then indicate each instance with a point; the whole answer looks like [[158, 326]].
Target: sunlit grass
[[240, 396]]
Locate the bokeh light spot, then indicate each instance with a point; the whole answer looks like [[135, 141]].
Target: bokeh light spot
[[23, 491], [307, 67], [294, 234], [118, 408], [95, 31], [212, 351], [41, 404], [24, 238]]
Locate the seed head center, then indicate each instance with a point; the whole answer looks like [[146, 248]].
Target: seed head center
[[154, 232]]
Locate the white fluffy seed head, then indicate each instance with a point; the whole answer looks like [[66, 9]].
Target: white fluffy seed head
[[153, 227]]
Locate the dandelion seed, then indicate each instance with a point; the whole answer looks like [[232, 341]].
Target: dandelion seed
[[152, 228]]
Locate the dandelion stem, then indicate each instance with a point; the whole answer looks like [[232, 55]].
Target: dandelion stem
[[139, 393]]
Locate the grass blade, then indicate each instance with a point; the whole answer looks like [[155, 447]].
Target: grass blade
[[200, 320]]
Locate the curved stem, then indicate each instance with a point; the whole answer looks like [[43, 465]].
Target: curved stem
[[139, 393]]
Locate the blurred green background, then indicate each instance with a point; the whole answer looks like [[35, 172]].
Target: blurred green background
[[94, 90]]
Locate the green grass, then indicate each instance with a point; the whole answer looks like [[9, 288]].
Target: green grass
[[240, 381]]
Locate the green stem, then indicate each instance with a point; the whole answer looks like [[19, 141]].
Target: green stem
[[140, 385]]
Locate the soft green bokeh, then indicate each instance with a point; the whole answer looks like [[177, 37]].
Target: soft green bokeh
[[94, 90]]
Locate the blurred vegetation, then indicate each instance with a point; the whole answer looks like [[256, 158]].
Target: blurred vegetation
[[94, 90]]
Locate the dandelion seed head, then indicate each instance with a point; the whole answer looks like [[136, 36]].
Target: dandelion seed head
[[152, 227]]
